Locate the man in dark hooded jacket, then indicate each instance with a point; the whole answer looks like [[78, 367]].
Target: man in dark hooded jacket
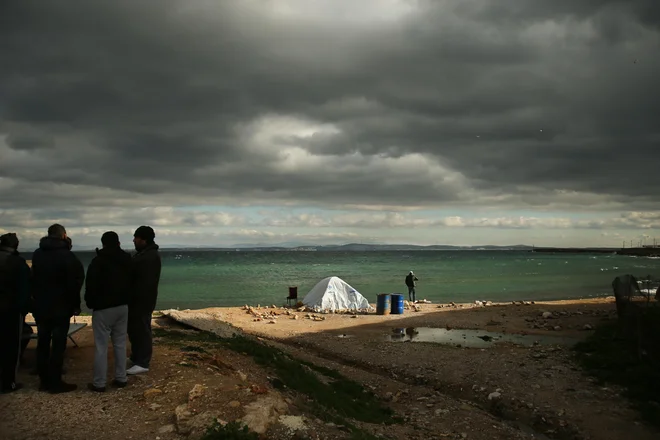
[[146, 276], [57, 276], [108, 289], [14, 294]]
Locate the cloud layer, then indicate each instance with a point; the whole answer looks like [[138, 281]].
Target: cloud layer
[[372, 105]]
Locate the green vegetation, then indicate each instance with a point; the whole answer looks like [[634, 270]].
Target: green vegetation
[[230, 431], [194, 348], [333, 397], [613, 358]]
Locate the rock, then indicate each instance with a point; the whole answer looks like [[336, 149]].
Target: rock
[[207, 321], [256, 389], [187, 423], [234, 403], [494, 396], [292, 423], [151, 392], [166, 429], [546, 315], [196, 392], [182, 415], [242, 375], [588, 327], [263, 412], [201, 422], [556, 328], [441, 411], [154, 406]]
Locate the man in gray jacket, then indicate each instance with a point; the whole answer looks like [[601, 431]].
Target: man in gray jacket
[[146, 275]]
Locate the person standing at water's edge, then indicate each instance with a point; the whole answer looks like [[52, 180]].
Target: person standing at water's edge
[[57, 278], [107, 291], [146, 275], [14, 285], [410, 282]]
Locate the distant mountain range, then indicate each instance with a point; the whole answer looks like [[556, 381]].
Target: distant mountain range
[[363, 247], [347, 247]]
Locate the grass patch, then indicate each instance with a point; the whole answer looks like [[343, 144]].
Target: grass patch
[[336, 400], [230, 431], [611, 358], [195, 348], [328, 372]]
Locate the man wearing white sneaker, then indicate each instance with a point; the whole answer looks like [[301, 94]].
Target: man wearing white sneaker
[[146, 275]]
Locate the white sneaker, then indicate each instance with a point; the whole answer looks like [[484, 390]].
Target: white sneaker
[[136, 369]]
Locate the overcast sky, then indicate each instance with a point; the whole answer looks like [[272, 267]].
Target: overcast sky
[[332, 121]]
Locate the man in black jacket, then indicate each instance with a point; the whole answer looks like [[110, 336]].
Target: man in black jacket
[[107, 290], [146, 275], [14, 293], [410, 282], [57, 278]]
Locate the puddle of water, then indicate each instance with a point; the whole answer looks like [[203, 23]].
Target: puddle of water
[[473, 338]]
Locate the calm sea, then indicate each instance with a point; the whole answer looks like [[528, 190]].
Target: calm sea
[[196, 279]]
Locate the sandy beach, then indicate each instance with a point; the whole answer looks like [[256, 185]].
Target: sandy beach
[[451, 390]]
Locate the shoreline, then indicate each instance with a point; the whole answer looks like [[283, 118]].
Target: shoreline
[[239, 317], [569, 318]]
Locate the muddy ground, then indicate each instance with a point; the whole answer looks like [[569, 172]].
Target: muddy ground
[[440, 391]]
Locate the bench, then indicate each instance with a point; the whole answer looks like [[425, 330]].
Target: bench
[[73, 328]]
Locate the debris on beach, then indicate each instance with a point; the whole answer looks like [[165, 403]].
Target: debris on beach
[[258, 316], [314, 317]]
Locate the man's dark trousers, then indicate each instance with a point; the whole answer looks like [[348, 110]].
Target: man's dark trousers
[[49, 361], [139, 333], [10, 339]]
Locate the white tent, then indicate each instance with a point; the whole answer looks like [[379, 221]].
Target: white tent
[[333, 293]]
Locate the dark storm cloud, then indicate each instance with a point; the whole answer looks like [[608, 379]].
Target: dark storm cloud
[[515, 98]]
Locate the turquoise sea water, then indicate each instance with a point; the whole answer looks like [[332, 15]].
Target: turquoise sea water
[[196, 279]]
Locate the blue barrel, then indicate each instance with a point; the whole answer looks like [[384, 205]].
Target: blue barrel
[[397, 303], [383, 304]]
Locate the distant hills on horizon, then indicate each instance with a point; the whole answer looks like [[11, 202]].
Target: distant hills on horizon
[[355, 247], [361, 247]]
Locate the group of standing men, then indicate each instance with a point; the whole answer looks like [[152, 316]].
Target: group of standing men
[[120, 290]]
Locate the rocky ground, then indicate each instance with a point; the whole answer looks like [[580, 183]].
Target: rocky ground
[[438, 391], [539, 386]]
